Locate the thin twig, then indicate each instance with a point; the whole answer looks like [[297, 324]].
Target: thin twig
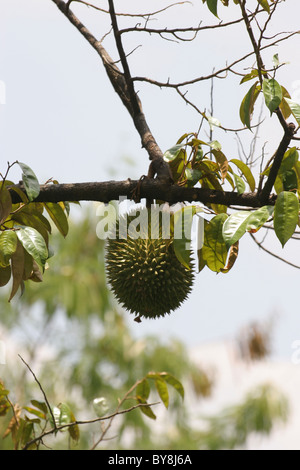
[[273, 254], [79, 423], [42, 390]]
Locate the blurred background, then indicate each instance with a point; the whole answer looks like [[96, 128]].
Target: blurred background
[[234, 343]]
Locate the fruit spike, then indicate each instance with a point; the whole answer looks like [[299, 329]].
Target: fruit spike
[[144, 273]]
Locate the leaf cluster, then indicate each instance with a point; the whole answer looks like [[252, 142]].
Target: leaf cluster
[[25, 230], [29, 425]]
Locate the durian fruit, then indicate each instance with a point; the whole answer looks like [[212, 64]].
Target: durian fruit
[[144, 272]]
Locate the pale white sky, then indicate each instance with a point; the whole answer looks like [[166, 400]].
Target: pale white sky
[[63, 119]]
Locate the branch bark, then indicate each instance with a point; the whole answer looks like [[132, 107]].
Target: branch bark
[[148, 189], [123, 86]]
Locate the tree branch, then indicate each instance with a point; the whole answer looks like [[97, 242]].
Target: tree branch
[[147, 188], [121, 87], [283, 146]]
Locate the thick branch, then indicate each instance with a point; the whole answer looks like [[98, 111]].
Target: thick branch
[[123, 87], [283, 146], [147, 188]]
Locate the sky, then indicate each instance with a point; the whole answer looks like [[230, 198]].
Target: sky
[[60, 116]]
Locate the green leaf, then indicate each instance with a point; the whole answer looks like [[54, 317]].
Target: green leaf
[[5, 203], [192, 176], [284, 107], [247, 105], [264, 4], [289, 181], [40, 405], [172, 153], [258, 218], [17, 269], [222, 162], [183, 220], [5, 274], [214, 250], [34, 244], [295, 109], [235, 226], [8, 246], [289, 160], [212, 5], [245, 171], [249, 76], [272, 92], [33, 219], [30, 181], [58, 216], [239, 183], [35, 412], [145, 409], [175, 383], [143, 389], [275, 60], [286, 213], [162, 391]]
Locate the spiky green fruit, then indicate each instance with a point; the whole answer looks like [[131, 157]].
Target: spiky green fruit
[[144, 273]]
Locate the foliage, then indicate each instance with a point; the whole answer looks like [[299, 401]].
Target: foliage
[[91, 356], [24, 230], [29, 433], [111, 362]]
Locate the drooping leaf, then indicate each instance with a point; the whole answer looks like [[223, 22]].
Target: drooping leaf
[[5, 203], [17, 269], [247, 105], [146, 410], [143, 389], [175, 383], [162, 391], [30, 181], [245, 171], [34, 244], [183, 220], [233, 254], [295, 109], [5, 274], [214, 250], [284, 107], [28, 266], [213, 6], [235, 226], [58, 216], [222, 161], [286, 213], [8, 246], [265, 5], [272, 92]]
